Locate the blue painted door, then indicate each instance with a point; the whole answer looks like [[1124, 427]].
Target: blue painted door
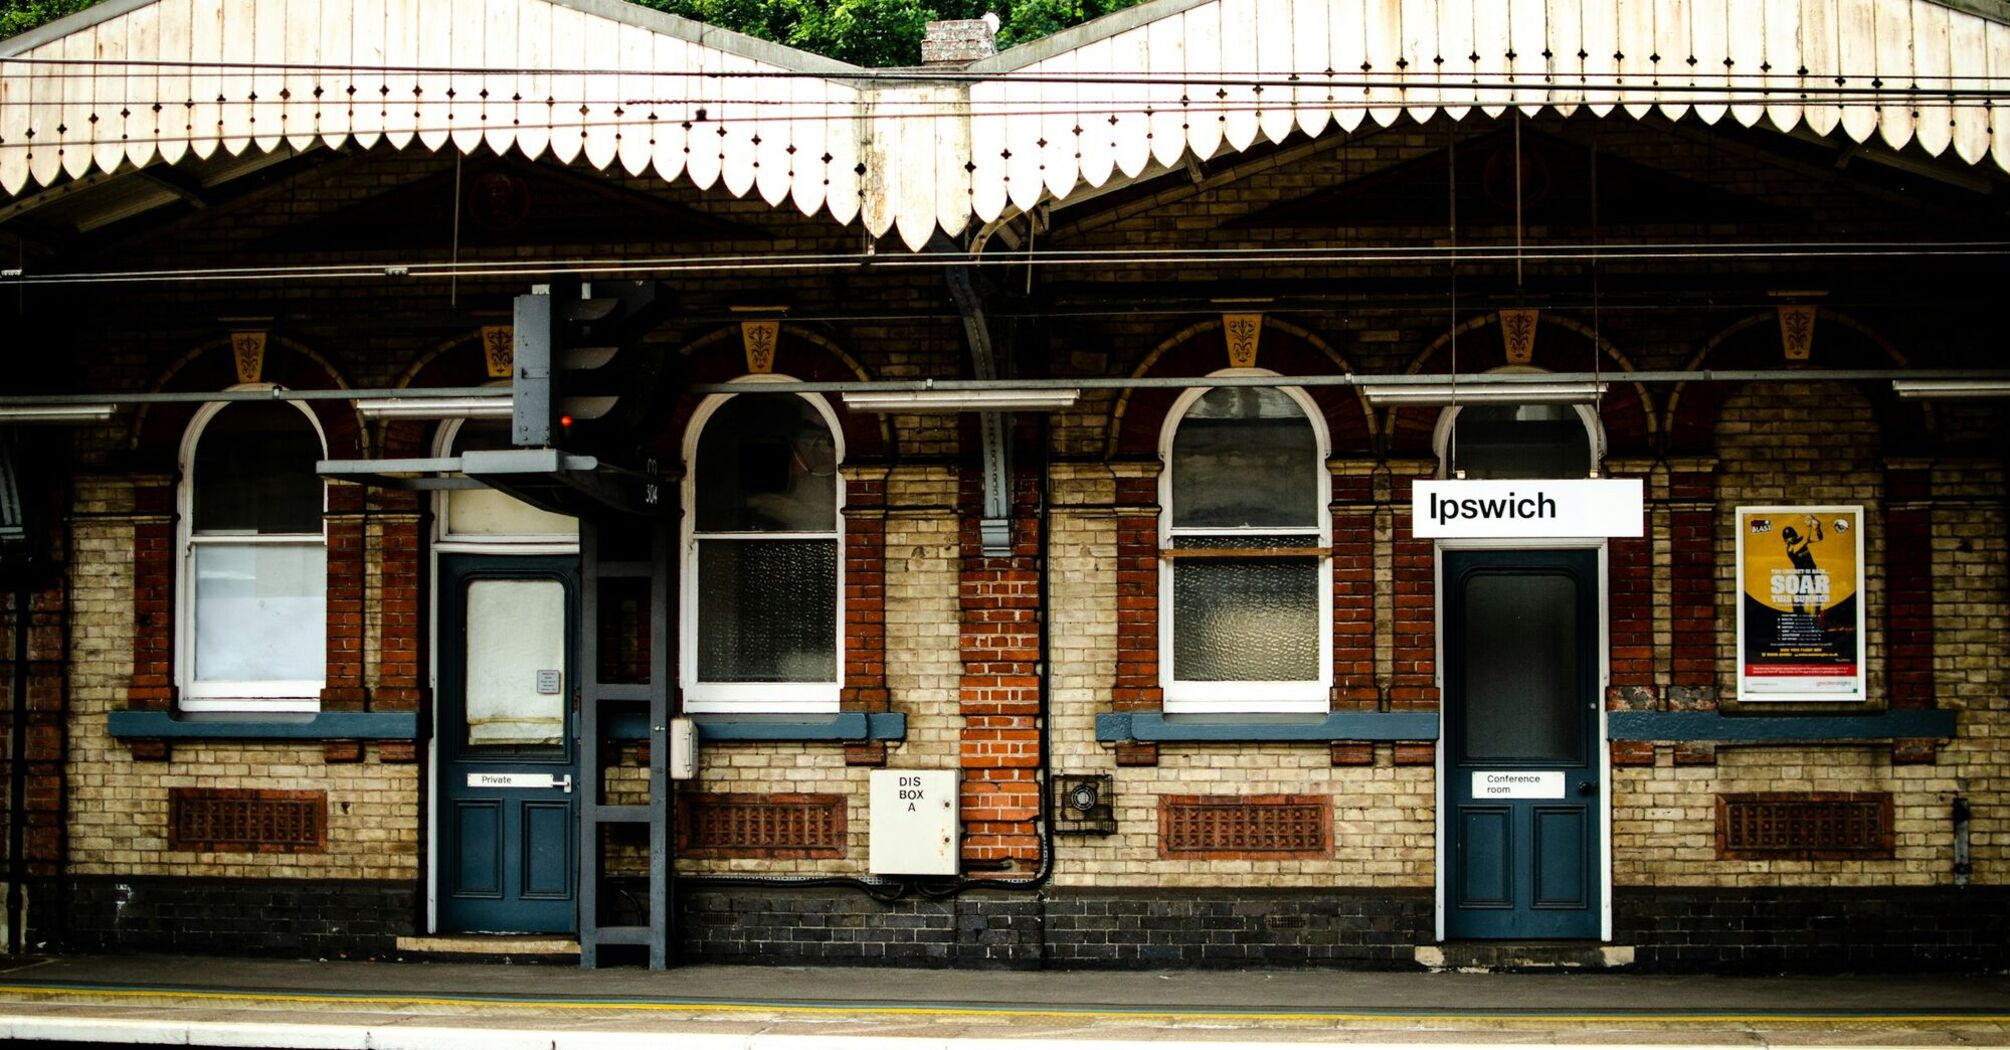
[[507, 802], [1522, 791]]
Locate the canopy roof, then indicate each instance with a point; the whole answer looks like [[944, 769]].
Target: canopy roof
[[140, 82]]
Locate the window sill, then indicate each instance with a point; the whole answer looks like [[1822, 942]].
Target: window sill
[[1150, 727], [847, 727], [1710, 726], [323, 725]]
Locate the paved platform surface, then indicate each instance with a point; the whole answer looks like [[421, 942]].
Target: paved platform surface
[[169, 1000]]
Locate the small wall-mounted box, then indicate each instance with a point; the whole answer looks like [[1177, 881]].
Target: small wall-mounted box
[[914, 828], [683, 749]]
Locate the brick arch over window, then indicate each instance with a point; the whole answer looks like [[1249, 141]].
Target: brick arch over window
[[1753, 342], [719, 356], [1201, 349], [155, 443], [1563, 344], [459, 361]]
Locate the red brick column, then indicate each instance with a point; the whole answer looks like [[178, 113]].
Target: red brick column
[[1908, 584], [46, 742], [1413, 632], [343, 689], [1137, 682], [1692, 543], [152, 687], [865, 607], [1353, 555], [1000, 695], [1629, 603]]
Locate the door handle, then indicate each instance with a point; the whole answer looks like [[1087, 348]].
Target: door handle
[[565, 782], [1584, 787]]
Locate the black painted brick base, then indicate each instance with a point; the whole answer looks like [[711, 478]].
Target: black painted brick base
[[1816, 930], [323, 918]]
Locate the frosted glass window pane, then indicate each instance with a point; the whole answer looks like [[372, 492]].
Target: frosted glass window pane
[[1521, 669], [767, 610], [254, 471], [766, 462], [260, 612], [1245, 457], [1521, 441], [515, 636], [1246, 619], [486, 512]]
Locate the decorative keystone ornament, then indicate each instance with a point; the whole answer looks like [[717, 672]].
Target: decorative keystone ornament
[[1797, 332], [1241, 332], [247, 351], [759, 338], [499, 349], [1518, 335]]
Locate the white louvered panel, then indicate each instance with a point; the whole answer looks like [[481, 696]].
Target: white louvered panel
[[1934, 128], [1492, 37], [141, 125], [1025, 183], [1745, 33], [368, 50], [638, 52], [1058, 117], [1968, 50], [1418, 67], [108, 94], [845, 139], [603, 91], [771, 127], [1238, 67], [809, 132], [1129, 93], [1856, 62], [532, 122], [1095, 98], [568, 81], [1348, 50], [173, 87], [1600, 43], [73, 121], [1712, 42], [501, 54], [458, 110], [431, 114], [1533, 73], [1818, 57], [1382, 32], [1312, 100], [1999, 73], [1201, 26], [303, 58], [1457, 44], [944, 131], [1783, 56], [258, 89], [988, 182], [331, 77], [205, 116], [1895, 70], [1165, 61], [1636, 45], [1276, 55], [1675, 45]]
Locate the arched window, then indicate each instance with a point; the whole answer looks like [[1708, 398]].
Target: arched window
[[1517, 441], [484, 516], [762, 575], [255, 569], [1246, 599]]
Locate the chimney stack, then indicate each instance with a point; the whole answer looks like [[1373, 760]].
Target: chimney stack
[[960, 42]]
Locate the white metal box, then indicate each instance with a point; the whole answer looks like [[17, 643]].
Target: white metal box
[[683, 749], [914, 828]]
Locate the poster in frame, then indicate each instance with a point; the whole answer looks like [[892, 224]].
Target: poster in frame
[[1801, 596]]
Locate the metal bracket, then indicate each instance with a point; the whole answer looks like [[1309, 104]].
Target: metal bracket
[[994, 530]]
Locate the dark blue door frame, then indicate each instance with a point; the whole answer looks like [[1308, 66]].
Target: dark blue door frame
[[1523, 797], [505, 853]]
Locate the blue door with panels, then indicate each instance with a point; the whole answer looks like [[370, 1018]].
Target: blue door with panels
[[1522, 792], [507, 759]]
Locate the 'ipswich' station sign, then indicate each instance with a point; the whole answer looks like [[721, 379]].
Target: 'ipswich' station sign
[[1526, 509]]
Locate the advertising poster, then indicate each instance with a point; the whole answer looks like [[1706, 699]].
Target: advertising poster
[[1800, 603]]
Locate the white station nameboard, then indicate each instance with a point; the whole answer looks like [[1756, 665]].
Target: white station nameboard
[[1516, 784], [1526, 509]]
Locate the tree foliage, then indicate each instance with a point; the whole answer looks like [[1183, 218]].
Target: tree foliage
[[862, 32]]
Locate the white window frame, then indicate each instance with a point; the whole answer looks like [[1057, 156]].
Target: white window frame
[[1312, 696], [264, 696], [702, 697], [1441, 433], [447, 541]]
